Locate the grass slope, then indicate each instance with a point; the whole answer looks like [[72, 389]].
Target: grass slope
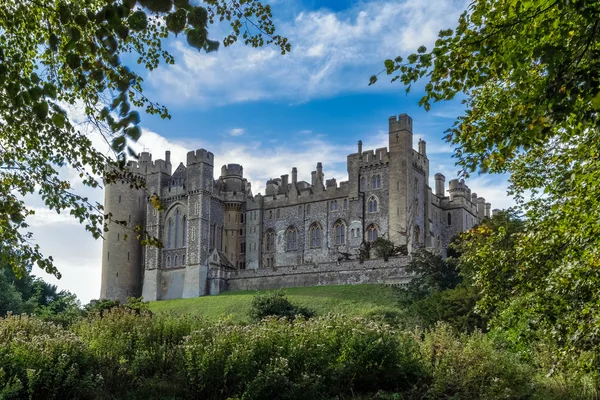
[[351, 300]]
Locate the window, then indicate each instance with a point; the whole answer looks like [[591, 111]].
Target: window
[[270, 214], [118, 237], [213, 232], [170, 234], [292, 239], [376, 182], [362, 183], [243, 247], [176, 242], [345, 204], [168, 261], [417, 236], [278, 213], [449, 219], [184, 233], [340, 233], [183, 259], [242, 218], [270, 241], [176, 261], [352, 232], [308, 209], [119, 198], [333, 205], [299, 211], [372, 233], [416, 185], [372, 204], [315, 235]]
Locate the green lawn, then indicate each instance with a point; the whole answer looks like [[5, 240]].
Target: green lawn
[[352, 300]]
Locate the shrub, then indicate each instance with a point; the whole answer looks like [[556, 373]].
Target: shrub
[[276, 304]]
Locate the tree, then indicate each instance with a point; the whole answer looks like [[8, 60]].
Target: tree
[[385, 248], [56, 54], [432, 273], [529, 75]]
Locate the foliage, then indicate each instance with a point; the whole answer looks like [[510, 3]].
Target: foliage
[[529, 74], [57, 55], [364, 251], [385, 248], [431, 273], [10, 298], [276, 304]]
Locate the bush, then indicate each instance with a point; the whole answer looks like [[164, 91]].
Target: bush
[[276, 304]]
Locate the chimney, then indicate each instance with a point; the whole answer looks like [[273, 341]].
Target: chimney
[[488, 210], [422, 148], [440, 184], [294, 176], [284, 183], [168, 156], [360, 147]]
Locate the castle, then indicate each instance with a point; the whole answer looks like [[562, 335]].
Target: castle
[[217, 234]]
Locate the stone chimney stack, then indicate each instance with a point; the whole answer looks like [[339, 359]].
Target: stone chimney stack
[[360, 147], [294, 176], [440, 183]]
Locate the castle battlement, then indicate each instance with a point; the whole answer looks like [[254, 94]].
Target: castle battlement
[[200, 156]]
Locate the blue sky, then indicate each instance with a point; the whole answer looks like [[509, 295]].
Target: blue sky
[[270, 112]]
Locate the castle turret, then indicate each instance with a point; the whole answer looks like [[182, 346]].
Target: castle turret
[[121, 250], [233, 225], [400, 156], [440, 185]]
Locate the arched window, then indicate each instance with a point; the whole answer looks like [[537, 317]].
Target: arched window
[[176, 261], [339, 229], [372, 204], [168, 261], [315, 235], [170, 234], [176, 241], [299, 211], [352, 232], [345, 204], [372, 233], [449, 219], [292, 238], [184, 232], [333, 205], [308, 209], [270, 241]]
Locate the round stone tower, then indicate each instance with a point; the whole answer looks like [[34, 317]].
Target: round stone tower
[[233, 225], [121, 250]]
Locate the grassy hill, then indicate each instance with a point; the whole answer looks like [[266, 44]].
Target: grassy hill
[[352, 300]]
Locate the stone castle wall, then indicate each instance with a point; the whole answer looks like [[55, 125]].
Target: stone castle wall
[[321, 274]]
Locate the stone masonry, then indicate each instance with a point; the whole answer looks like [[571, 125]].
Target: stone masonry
[[217, 235]]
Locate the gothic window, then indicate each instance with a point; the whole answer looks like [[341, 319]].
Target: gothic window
[[372, 204], [362, 183], [176, 241], [315, 235], [449, 219], [170, 234], [340, 233], [184, 233], [270, 241], [292, 239], [176, 261], [168, 261], [376, 182], [333, 205], [213, 232], [308, 209], [299, 211], [372, 233], [345, 204]]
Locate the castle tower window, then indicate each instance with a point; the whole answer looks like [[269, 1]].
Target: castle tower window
[[340, 233], [449, 219], [168, 261], [333, 205], [270, 214], [345, 204], [292, 239], [184, 233], [299, 211], [183, 259], [278, 213], [170, 234], [308, 209], [119, 198], [372, 233], [372, 204], [270, 241], [376, 182], [241, 218], [315, 235], [176, 261], [362, 183]]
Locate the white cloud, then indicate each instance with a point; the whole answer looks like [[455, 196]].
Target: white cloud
[[237, 131], [331, 53]]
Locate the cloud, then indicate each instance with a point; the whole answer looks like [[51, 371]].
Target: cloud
[[331, 53], [237, 131]]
